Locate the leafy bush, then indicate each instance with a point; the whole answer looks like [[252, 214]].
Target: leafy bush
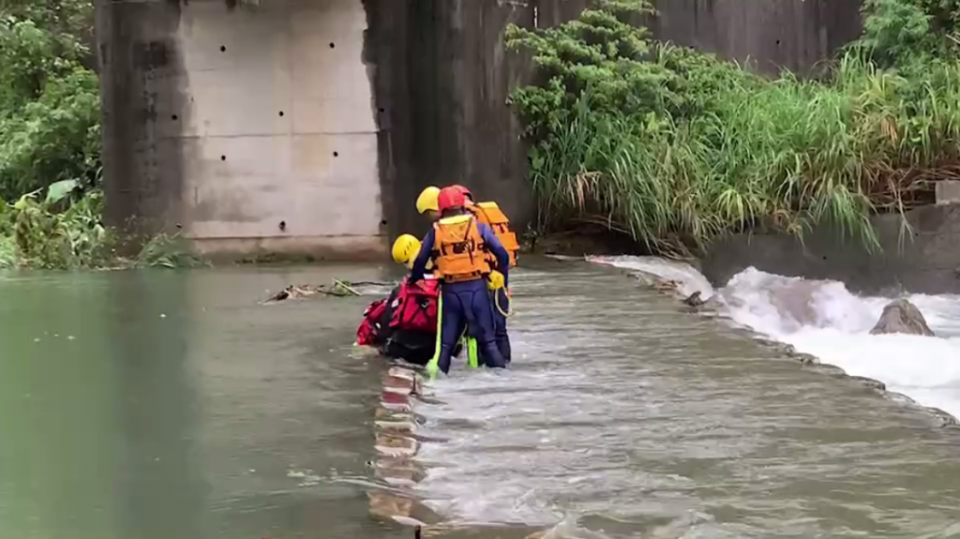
[[45, 238], [676, 147], [60, 231], [49, 102]]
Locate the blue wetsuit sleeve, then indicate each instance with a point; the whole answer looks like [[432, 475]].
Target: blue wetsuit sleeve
[[495, 247], [420, 264]]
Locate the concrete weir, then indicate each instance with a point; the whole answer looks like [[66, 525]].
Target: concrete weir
[[251, 128]]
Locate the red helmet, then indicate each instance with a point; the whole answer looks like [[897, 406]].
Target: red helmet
[[450, 197], [466, 192]]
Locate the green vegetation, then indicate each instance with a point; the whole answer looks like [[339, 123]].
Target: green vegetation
[[677, 147], [50, 144]]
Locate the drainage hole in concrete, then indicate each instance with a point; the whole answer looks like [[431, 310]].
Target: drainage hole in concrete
[[383, 222], [336, 154], [223, 49], [223, 158], [173, 117], [281, 113], [778, 42], [283, 225], [332, 45]]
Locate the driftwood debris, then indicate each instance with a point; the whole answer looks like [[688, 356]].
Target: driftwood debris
[[339, 288]]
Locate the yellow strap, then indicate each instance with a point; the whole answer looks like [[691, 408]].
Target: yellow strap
[[473, 359], [434, 364]]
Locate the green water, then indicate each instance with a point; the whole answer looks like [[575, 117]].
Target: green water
[[171, 404], [162, 405]]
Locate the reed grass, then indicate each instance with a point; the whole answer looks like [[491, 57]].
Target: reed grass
[[677, 148]]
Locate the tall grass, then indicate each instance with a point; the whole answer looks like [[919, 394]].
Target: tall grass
[[676, 147]]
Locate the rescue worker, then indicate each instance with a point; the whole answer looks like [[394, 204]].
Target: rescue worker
[[427, 203], [458, 245], [427, 206], [405, 250], [406, 327], [490, 214]]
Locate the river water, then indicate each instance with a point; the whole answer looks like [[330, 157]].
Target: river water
[[142, 405]]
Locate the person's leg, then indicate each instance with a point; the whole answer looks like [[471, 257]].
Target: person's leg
[[451, 322], [479, 313], [468, 343], [501, 306]]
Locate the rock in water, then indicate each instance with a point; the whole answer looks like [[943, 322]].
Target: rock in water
[[901, 316], [694, 300]]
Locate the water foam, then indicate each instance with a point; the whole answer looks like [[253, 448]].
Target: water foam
[[826, 320]]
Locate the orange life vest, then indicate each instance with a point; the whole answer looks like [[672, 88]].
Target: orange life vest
[[458, 250], [490, 214]]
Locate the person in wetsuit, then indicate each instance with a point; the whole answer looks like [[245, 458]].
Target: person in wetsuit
[[409, 319], [458, 245], [427, 203], [490, 214]]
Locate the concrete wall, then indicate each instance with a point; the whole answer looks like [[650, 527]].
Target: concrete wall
[[443, 77], [770, 35], [251, 128], [413, 93], [925, 259]]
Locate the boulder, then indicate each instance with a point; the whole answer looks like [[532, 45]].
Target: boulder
[[694, 300], [901, 316]]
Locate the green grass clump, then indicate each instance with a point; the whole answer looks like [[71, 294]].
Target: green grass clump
[[62, 230], [677, 147]]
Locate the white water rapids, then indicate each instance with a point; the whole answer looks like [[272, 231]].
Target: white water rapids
[[623, 416], [826, 320]]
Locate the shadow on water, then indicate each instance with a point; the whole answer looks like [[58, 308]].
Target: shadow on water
[[149, 331]]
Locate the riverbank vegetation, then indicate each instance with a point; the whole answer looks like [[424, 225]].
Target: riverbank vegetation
[[50, 168], [676, 147]]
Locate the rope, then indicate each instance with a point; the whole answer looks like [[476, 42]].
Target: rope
[[496, 303]]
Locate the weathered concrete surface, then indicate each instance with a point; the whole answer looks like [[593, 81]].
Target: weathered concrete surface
[[413, 93], [947, 192], [770, 35], [924, 260], [442, 77], [268, 111], [138, 66]]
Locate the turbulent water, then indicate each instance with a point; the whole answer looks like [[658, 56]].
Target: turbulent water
[[824, 319], [623, 417]]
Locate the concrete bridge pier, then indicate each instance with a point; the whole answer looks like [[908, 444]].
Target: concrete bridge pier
[[250, 127]]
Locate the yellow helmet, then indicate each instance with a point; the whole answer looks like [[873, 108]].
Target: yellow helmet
[[427, 200], [406, 249]]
